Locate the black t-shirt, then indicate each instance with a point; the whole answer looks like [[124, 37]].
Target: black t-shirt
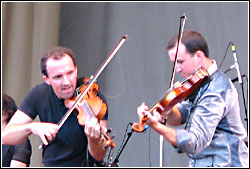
[[68, 148], [20, 152]]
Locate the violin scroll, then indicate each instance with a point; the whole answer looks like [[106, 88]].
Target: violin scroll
[[140, 127]]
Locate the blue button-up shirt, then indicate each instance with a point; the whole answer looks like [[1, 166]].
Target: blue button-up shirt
[[214, 134]]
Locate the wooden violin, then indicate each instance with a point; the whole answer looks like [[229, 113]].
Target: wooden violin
[[90, 105], [173, 96]]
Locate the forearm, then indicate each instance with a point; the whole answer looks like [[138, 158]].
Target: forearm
[[167, 132], [15, 163], [15, 134], [96, 149], [174, 117]]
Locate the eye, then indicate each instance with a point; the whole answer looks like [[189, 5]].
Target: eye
[[180, 61], [70, 72], [57, 77]]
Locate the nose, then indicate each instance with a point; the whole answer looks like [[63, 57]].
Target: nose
[[178, 69], [66, 80]]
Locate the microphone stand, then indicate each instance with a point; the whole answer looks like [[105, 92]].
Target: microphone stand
[[114, 163], [242, 89]]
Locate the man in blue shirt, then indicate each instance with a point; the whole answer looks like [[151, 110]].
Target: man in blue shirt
[[214, 134]]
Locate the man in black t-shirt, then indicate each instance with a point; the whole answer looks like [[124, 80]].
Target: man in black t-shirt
[[70, 144]]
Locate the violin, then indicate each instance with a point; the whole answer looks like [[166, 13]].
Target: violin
[[90, 105], [175, 95]]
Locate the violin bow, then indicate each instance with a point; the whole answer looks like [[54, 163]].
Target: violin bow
[[181, 28], [93, 79], [172, 77]]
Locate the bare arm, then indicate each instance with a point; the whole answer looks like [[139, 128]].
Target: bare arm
[[15, 163], [167, 132], [21, 126], [174, 117], [17, 130]]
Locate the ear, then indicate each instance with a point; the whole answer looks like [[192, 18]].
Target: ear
[[198, 56], [46, 79]]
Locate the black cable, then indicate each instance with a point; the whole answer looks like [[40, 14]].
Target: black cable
[[119, 150], [230, 43]]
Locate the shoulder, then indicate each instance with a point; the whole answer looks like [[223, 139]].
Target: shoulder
[[221, 86], [39, 90], [41, 87], [38, 96], [220, 80]]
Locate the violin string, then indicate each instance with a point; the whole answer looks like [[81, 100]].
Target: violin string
[[87, 109]]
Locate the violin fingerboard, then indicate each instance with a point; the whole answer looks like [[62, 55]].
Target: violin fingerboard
[[87, 109]]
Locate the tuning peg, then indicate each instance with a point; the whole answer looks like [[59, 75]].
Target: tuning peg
[[106, 146], [113, 137], [109, 130]]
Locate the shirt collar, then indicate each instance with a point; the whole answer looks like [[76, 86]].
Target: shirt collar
[[212, 68]]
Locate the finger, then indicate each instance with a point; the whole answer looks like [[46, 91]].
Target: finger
[[97, 132], [44, 139], [92, 127], [104, 129], [145, 107], [142, 109], [156, 114], [86, 128], [48, 136]]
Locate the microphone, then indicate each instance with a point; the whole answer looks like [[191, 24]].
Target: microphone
[[236, 79], [183, 16], [236, 65]]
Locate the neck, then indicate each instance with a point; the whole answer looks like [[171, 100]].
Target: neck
[[207, 62]]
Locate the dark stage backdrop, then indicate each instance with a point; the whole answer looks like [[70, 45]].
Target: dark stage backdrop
[[141, 71]]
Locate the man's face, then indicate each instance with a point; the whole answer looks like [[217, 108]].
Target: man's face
[[186, 63], [62, 76]]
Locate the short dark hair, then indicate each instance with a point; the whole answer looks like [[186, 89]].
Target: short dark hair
[[55, 53], [193, 42], [8, 107]]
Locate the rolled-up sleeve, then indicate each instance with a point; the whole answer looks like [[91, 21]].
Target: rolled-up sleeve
[[201, 124]]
